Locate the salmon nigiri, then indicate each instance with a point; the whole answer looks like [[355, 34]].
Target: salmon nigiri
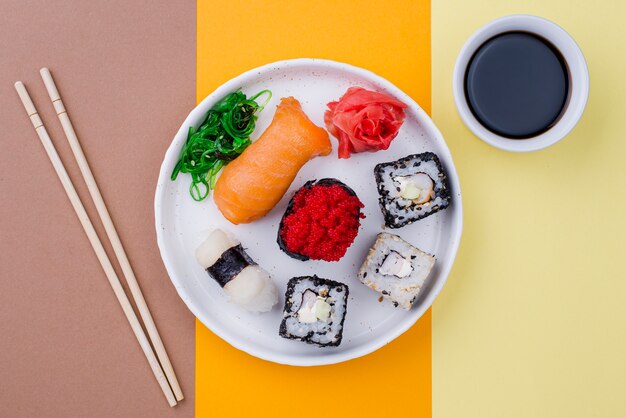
[[252, 184]]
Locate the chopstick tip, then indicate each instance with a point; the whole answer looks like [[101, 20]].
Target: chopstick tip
[[21, 91]]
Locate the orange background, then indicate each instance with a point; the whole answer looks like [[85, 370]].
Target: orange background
[[233, 37]]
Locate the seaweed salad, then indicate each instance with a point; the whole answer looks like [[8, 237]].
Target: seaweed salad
[[222, 137]]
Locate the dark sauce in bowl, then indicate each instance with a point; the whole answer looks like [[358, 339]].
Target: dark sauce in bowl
[[517, 85]]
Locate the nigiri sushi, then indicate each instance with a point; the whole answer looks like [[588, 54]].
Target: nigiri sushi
[[252, 184], [231, 267]]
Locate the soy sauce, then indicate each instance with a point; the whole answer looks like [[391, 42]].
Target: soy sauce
[[517, 85]]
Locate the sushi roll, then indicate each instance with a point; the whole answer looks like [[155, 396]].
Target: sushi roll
[[315, 309], [321, 221], [396, 269], [411, 188], [246, 284]]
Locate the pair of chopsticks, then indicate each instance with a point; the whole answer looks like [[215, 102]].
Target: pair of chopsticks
[[161, 367]]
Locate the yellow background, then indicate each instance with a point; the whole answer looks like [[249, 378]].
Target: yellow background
[[237, 36], [532, 322]]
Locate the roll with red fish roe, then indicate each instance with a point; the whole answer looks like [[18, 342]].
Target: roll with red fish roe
[[321, 221]]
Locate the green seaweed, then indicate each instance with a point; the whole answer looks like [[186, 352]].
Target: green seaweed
[[222, 137]]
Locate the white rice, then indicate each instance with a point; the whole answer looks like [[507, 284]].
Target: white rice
[[401, 291]]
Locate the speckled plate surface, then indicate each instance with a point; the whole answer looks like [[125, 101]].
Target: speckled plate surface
[[182, 224]]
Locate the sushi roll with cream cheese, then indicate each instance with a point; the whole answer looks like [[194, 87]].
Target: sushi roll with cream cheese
[[411, 188], [247, 284], [396, 269], [315, 310]]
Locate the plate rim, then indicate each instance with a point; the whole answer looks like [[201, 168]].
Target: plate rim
[[298, 360]]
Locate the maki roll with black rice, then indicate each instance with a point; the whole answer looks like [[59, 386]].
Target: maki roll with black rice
[[315, 310], [411, 188], [321, 221]]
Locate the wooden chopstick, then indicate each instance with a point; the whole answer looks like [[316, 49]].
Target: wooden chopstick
[[95, 242], [111, 232]]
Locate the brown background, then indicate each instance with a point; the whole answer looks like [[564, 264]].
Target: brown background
[[126, 72]]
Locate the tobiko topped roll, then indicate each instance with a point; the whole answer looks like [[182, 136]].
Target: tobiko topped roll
[[321, 221]]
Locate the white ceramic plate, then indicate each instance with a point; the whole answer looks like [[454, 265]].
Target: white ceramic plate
[[182, 224]]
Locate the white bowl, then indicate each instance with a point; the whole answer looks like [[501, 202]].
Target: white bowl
[[182, 224], [578, 75]]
